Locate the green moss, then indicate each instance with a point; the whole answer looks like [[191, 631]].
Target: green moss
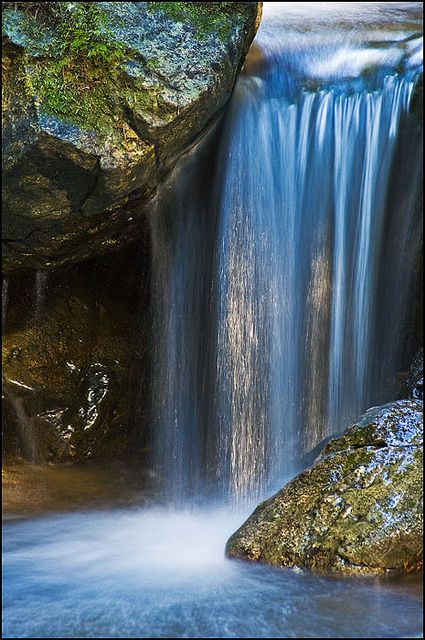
[[205, 17], [72, 57], [69, 30], [153, 63], [76, 95]]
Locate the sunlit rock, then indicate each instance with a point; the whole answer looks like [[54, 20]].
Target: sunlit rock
[[93, 123], [357, 509]]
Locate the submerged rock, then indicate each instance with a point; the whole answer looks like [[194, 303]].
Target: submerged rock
[[357, 509], [99, 100]]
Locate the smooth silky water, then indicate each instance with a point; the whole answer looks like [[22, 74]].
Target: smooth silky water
[[160, 573], [41, 284], [271, 306]]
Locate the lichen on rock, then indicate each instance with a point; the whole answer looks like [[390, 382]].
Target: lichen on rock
[[357, 509]]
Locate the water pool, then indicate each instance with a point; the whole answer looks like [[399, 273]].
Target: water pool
[[153, 572]]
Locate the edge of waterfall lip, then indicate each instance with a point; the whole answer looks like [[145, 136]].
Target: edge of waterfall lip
[[293, 81], [330, 52], [347, 86]]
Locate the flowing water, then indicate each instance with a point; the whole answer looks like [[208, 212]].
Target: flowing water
[[281, 275], [272, 341], [4, 295], [41, 283], [162, 574]]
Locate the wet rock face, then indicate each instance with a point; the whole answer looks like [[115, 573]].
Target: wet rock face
[[90, 133], [357, 509], [415, 379], [76, 363]]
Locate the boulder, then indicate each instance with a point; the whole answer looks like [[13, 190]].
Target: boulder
[[357, 509], [99, 100]]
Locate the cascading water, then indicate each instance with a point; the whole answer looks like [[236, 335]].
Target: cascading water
[[286, 353], [301, 239], [182, 255], [41, 281], [4, 296]]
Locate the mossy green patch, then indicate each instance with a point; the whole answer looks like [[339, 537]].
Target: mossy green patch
[[73, 57], [72, 31], [205, 17], [76, 95]]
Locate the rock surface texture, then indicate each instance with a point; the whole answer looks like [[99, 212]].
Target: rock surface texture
[[357, 509], [99, 101], [75, 372]]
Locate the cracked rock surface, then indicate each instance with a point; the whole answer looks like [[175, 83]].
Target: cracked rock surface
[[357, 509]]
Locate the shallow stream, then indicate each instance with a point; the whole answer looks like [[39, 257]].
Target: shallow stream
[[140, 573]]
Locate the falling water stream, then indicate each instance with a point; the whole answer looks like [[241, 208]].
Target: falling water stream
[[267, 344], [4, 296], [271, 306], [40, 290]]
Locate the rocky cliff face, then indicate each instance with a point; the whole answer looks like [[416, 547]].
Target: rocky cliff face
[[99, 101], [76, 362]]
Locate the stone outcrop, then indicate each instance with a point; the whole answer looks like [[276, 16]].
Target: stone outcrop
[[75, 370], [99, 100], [357, 509]]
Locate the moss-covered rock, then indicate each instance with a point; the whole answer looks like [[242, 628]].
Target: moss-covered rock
[[357, 509], [99, 100]]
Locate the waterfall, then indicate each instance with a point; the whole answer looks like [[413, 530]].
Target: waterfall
[[41, 281], [301, 223], [267, 343], [4, 296], [182, 234]]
